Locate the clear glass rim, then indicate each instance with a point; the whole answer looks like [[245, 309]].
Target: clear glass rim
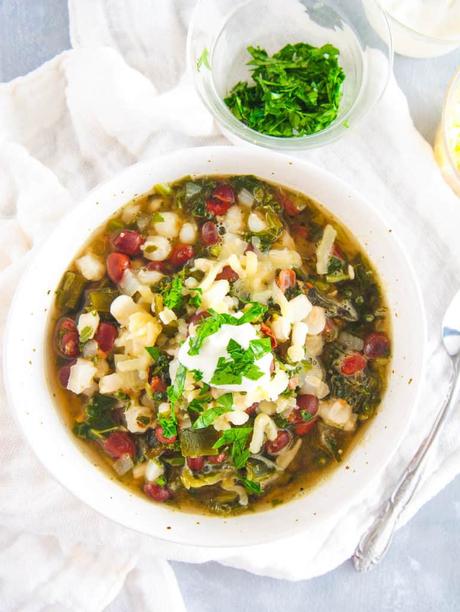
[[428, 37], [229, 122], [454, 86]]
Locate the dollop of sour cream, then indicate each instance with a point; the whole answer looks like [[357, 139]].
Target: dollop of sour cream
[[215, 346]]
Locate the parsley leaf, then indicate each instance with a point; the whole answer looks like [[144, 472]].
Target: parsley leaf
[[207, 418], [153, 351], [251, 486], [86, 334], [214, 322], [238, 437], [174, 391], [231, 370], [203, 60], [196, 299], [172, 294], [295, 92]]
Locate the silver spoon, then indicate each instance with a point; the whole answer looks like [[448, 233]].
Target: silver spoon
[[376, 541]]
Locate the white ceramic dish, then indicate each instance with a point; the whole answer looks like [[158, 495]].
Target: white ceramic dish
[[31, 397]]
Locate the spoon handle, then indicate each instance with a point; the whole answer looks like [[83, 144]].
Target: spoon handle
[[376, 541]]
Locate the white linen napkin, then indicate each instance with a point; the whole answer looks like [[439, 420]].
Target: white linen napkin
[[120, 96]]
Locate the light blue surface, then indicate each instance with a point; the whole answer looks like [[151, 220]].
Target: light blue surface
[[422, 569]]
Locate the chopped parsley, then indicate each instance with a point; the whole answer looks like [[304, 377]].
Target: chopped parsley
[[206, 418], [238, 437], [172, 293], [214, 322], [174, 391], [251, 486], [86, 334], [196, 297], [99, 418], [203, 60], [241, 362], [295, 92]]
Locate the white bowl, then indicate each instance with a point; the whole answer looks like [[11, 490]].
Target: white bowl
[[53, 442]]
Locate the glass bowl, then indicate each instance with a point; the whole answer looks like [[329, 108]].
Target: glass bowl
[[407, 40], [220, 33], [447, 142]]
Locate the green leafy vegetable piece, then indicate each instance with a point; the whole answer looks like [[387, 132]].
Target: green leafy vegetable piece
[[177, 388], [196, 298], [163, 189], [198, 442], [157, 217], [295, 92], [207, 418], [100, 299], [86, 334], [231, 370], [213, 323], [203, 60], [238, 438], [99, 418], [174, 392], [153, 351], [251, 486], [70, 291], [172, 294]]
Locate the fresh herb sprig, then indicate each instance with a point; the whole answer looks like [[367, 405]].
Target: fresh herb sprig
[[241, 362], [296, 91], [214, 322], [238, 437], [169, 423]]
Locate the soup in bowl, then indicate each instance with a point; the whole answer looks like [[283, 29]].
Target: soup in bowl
[[221, 343]]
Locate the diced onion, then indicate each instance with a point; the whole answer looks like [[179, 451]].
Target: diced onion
[[263, 425], [81, 376], [324, 249], [149, 277], [338, 413], [245, 198], [153, 470], [123, 464], [129, 283], [91, 267], [256, 223]]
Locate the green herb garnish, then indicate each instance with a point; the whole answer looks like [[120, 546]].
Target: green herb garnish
[[157, 217], [153, 351], [203, 60], [295, 92], [241, 362], [196, 298], [238, 437], [174, 392], [86, 334], [206, 418], [213, 323], [99, 418], [172, 294], [251, 486]]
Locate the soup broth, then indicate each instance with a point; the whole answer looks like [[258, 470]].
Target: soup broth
[[219, 344]]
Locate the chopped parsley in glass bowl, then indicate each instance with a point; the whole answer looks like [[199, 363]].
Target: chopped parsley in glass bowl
[[287, 74]]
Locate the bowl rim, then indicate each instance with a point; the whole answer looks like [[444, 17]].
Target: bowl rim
[[20, 307], [240, 130], [428, 37]]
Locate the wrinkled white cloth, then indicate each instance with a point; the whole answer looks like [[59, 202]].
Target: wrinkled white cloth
[[122, 95]]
